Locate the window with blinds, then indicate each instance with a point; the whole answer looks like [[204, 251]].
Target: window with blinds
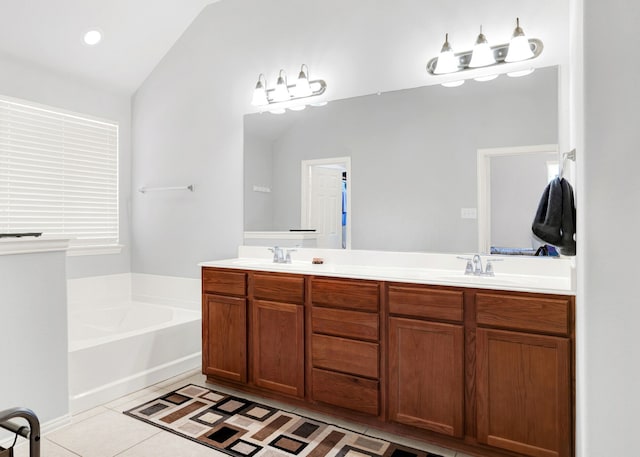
[[58, 174]]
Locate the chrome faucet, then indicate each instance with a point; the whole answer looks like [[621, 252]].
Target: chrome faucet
[[474, 266], [287, 258], [477, 265], [279, 255]]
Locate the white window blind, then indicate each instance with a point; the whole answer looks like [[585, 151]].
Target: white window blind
[[58, 174]]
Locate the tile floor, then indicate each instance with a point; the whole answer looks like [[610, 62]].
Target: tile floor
[[105, 432]]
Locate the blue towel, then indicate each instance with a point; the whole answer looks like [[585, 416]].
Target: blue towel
[[555, 220]]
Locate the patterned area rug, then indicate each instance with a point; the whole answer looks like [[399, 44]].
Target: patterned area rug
[[243, 428]]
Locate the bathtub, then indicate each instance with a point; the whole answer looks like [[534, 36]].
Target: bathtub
[[123, 336]]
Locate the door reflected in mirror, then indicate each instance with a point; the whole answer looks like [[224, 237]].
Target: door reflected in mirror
[[325, 195], [511, 181]]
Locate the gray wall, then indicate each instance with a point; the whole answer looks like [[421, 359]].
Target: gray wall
[[258, 171], [33, 334], [29, 82], [609, 309], [413, 156]]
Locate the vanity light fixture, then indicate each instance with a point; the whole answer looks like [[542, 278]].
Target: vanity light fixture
[[519, 49], [280, 97]]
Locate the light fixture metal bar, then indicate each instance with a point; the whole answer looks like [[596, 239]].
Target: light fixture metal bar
[[499, 52], [291, 87]]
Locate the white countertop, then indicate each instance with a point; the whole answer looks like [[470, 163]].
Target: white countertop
[[541, 275]]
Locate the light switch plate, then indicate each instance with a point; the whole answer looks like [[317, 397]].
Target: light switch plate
[[469, 213]]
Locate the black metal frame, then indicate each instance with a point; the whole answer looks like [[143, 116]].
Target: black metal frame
[[32, 432]]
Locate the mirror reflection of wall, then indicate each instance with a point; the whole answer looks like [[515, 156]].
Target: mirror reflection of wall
[[517, 182], [413, 157]]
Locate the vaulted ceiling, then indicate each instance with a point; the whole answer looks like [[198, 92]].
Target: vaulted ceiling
[[137, 34]]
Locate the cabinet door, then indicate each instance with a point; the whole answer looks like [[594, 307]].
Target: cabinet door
[[278, 347], [523, 392], [224, 335], [426, 375]]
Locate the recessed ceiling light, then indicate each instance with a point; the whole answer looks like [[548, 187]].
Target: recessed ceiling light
[[92, 37]]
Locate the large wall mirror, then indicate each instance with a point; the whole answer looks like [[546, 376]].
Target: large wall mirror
[[412, 182]]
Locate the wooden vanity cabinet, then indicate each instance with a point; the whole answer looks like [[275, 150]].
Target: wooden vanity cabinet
[[345, 344], [277, 332], [484, 371], [426, 358], [524, 374], [224, 324]]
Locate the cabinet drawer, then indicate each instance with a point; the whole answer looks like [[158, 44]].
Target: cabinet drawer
[[345, 391], [426, 302], [348, 356], [223, 282], [359, 295], [340, 322], [524, 313], [277, 287]]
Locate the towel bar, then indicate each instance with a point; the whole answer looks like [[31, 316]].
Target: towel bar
[[144, 189]]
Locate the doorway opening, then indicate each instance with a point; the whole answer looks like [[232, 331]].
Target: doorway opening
[[326, 200], [510, 182]]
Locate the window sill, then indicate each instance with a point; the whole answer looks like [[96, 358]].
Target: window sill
[[12, 246], [74, 251]]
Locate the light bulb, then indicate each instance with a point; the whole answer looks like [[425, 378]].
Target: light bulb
[[260, 94], [519, 48], [447, 61], [281, 93], [303, 89], [482, 54], [92, 37]]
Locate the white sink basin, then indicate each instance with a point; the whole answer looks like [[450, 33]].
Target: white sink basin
[[488, 280], [251, 262], [266, 263]]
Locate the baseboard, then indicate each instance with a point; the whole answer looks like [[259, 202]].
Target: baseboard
[[125, 386], [46, 427]]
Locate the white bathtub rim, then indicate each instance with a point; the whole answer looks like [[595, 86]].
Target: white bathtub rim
[[184, 316], [124, 386], [166, 290]]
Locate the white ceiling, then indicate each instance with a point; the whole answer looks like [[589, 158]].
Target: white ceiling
[[137, 35]]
